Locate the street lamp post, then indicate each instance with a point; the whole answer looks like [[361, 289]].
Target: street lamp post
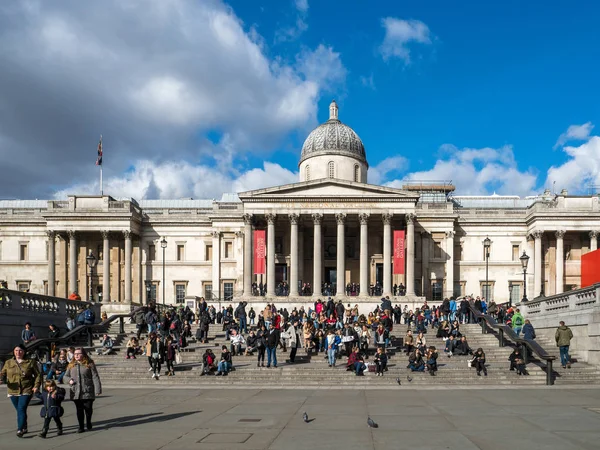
[[148, 289], [163, 244], [487, 243], [524, 262], [91, 263], [510, 291]]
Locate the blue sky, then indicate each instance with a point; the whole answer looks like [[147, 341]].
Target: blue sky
[[497, 96]]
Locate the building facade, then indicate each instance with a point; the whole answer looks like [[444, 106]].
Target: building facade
[[330, 228]]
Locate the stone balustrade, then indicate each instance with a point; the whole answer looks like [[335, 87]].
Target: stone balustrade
[[17, 307], [579, 309]]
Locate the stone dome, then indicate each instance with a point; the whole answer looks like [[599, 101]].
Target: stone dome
[[333, 138]]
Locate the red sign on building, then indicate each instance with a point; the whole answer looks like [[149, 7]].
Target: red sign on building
[[260, 252], [399, 252]]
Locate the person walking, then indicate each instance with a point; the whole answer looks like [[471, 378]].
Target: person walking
[[52, 398], [23, 379], [563, 338], [85, 387], [155, 351], [517, 322]]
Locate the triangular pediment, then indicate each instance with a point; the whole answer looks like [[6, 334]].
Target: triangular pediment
[[330, 188]]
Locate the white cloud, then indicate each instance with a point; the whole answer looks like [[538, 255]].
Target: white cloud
[[302, 5], [153, 77], [580, 171], [477, 172], [574, 133], [291, 33], [368, 82], [322, 65], [180, 179], [399, 34], [380, 173]]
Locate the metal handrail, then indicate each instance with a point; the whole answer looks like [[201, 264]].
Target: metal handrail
[[505, 331], [78, 330]]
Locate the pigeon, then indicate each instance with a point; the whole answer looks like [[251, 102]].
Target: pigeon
[[398, 381], [408, 378], [305, 417], [371, 423]]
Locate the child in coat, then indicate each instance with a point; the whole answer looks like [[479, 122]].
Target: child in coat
[[52, 398]]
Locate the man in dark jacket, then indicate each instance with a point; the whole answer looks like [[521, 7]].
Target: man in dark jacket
[[386, 304], [272, 341], [339, 310], [563, 338], [241, 315], [462, 347], [464, 311]]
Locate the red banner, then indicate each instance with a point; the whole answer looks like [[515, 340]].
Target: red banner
[[260, 251], [398, 252]]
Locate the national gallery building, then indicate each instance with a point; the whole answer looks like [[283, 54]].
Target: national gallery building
[[330, 232]]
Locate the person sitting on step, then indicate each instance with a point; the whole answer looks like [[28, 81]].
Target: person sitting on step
[[462, 347], [415, 361], [517, 362], [208, 362], [133, 347], [381, 360], [479, 362], [251, 344], [450, 346], [431, 358], [225, 364], [237, 340]]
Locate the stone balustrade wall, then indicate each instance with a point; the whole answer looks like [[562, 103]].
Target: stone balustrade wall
[[17, 307], [579, 309]]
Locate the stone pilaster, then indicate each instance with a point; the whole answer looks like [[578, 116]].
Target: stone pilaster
[[51, 262], [271, 254], [341, 255], [317, 254], [560, 262], [105, 266], [216, 265], [128, 266], [537, 273], [248, 220], [294, 254], [410, 254], [594, 240], [73, 262], [364, 254], [387, 253], [449, 264]]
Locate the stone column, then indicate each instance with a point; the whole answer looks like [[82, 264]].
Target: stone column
[[247, 255], [410, 254], [387, 254], [294, 254], [51, 263], [537, 280], [216, 264], [364, 254], [105, 266], [594, 240], [317, 254], [128, 267], [73, 262], [271, 254], [300, 251], [425, 276], [341, 255], [560, 262], [449, 264]]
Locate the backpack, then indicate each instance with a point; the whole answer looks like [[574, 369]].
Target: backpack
[[518, 321], [89, 316]]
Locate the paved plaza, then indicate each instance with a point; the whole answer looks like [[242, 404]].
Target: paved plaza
[[192, 418]]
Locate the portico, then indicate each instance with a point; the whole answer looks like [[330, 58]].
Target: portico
[[347, 236]]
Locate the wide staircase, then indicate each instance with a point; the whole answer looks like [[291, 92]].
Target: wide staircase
[[312, 370]]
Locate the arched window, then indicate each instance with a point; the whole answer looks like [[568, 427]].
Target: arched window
[[356, 173], [307, 174], [331, 169]]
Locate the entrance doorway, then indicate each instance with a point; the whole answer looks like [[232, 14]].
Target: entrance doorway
[[331, 280], [281, 274], [379, 274]]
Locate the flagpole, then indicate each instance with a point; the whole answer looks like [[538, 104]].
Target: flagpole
[[101, 187]]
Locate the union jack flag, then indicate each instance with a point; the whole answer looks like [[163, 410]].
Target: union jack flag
[[99, 160]]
